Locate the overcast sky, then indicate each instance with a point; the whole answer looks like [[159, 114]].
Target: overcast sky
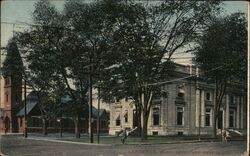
[[17, 11]]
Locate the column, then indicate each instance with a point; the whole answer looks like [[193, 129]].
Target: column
[[238, 112], [226, 113], [197, 108], [202, 109], [241, 111]]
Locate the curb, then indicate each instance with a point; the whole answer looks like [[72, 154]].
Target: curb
[[95, 144], [69, 142]]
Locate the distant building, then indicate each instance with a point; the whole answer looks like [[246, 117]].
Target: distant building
[[187, 109], [34, 119]]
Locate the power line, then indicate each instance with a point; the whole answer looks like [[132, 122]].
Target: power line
[[183, 78]]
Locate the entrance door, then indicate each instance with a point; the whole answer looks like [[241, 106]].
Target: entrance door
[[220, 120]]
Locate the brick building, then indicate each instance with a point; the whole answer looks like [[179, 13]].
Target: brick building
[[187, 109], [12, 103]]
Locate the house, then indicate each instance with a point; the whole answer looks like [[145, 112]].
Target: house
[[188, 108], [34, 119]]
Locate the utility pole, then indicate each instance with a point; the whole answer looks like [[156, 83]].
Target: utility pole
[[248, 92], [61, 120], [90, 100], [25, 111], [98, 117], [200, 115]]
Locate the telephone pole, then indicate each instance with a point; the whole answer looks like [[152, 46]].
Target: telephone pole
[[90, 100], [25, 111]]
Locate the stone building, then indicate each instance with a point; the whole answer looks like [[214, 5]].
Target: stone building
[[187, 109]]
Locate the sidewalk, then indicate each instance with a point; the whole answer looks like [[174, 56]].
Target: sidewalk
[[115, 140]]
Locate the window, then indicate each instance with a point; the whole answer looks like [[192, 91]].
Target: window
[[16, 98], [103, 124], [7, 81], [181, 92], [21, 122], [117, 119], [156, 116], [35, 122], [208, 117], [179, 115], [231, 99], [208, 96], [180, 95], [7, 97], [125, 116], [231, 118]]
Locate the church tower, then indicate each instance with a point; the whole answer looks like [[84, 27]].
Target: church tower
[[12, 72], [12, 102]]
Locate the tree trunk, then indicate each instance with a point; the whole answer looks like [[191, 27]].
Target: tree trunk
[[45, 127], [214, 126], [77, 128], [220, 88], [146, 100], [137, 119], [144, 128], [144, 123]]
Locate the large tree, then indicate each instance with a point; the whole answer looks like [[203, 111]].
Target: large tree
[[13, 64], [146, 38], [61, 48], [13, 69], [40, 59], [223, 55]]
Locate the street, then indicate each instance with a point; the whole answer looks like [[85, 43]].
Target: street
[[12, 145]]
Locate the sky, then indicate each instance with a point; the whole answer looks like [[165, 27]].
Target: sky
[[18, 11]]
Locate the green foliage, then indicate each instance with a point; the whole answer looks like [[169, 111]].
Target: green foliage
[[223, 55], [13, 64], [224, 47], [128, 45]]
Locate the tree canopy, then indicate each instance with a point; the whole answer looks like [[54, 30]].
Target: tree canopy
[[222, 55], [125, 45], [13, 64]]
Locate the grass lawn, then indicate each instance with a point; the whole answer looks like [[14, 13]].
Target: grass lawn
[[137, 140], [107, 139]]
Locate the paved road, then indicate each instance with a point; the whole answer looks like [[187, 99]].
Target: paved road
[[18, 146]]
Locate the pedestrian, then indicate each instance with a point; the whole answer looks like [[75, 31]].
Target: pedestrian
[[226, 135], [124, 136]]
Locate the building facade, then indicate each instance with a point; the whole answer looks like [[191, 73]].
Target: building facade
[[12, 103], [188, 108]]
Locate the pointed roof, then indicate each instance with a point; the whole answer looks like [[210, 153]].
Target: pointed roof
[[31, 102], [95, 112], [30, 105]]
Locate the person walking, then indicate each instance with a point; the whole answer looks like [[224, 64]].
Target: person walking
[[124, 136]]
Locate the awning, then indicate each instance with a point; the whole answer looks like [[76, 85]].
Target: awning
[[125, 114], [181, 91], [117, 115]]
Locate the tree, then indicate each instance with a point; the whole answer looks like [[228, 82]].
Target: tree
[[146, 37], [36, 46], [13, 64], [61, 47], [223, 55]]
